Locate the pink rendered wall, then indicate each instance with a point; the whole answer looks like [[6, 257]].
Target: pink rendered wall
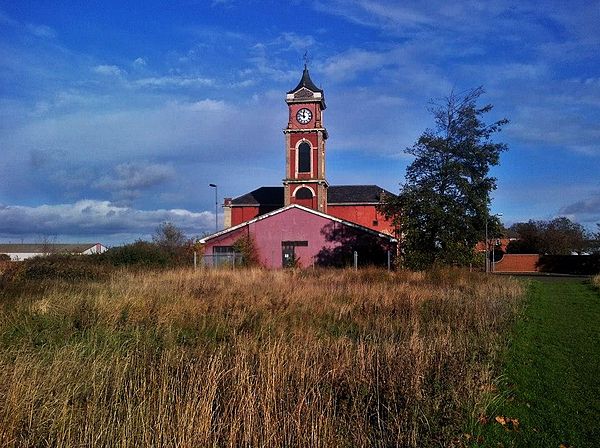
[[290, 225]]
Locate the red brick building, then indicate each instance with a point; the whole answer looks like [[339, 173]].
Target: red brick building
[[305, 182], [306, 219]]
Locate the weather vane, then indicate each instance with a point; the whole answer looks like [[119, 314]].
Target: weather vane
[[306, 59]]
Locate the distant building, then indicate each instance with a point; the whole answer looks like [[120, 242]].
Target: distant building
[[306, 220], [18, 252]]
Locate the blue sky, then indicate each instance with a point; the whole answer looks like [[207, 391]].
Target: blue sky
[[115, 116]]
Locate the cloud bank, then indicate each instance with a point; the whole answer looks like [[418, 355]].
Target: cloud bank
[[95, 219]]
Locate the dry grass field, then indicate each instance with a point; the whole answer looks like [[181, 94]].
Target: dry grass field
[[323, 358]]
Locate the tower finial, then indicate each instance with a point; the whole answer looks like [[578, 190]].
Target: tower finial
[[306, 59]]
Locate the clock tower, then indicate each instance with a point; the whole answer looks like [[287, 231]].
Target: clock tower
[[305, 137]]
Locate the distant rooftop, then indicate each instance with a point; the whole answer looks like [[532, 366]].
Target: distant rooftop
[[45, 248]]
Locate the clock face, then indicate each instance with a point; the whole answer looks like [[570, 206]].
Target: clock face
[[304, 116]]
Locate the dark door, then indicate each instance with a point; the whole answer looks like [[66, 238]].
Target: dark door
[[288, 256]]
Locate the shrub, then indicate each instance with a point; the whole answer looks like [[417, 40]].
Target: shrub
[[245, 245], [62, 267], [140, 253]]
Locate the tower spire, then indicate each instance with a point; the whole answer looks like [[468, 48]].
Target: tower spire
[[306, 60]]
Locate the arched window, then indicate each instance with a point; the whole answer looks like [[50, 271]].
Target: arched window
[[304, 158], [304, 193]]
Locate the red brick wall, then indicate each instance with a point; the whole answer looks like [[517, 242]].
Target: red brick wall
[[517, 263], [359, 214], [242, 214], [364, 215]]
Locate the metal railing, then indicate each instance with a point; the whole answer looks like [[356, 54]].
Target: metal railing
[[222, 260]]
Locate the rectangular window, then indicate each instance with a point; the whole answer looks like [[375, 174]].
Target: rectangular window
[[294, 243], [223, 250]]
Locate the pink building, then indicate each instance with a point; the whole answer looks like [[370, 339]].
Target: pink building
[[301, 236]]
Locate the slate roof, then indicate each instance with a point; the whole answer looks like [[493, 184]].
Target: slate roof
[[336, 194], [44, 248], [261, 196], [306, 82], [355, 194]]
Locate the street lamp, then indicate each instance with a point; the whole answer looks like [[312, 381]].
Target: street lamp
[[216, 207], [487, 252]]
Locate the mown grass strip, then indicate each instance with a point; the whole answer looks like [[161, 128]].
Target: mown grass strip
[[550, 390]]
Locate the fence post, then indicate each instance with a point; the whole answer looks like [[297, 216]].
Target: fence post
[[195, 261], [389, 260], [355, 260]]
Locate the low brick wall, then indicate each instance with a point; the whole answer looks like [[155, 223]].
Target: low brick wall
[[517, 263]]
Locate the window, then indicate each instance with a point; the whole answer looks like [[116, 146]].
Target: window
[[223, 256], [223, 250], [304, 193], [304, 158], [294, 243]]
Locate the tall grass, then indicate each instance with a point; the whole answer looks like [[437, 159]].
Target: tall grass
[[249, 358]]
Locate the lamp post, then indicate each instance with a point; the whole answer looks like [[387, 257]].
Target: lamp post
[[216, 206], [487, 258]]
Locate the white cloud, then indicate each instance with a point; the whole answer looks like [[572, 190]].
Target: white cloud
[[129, 178], [41, 31], [174, 81], [298, 42], [589, 206], [349, 63], [95, 218], [140, 62], [109, 70], [555, 125]]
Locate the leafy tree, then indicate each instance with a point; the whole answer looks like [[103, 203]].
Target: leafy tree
[[596, 240], [173, 242], [563, 236], [559, 236], [442, 206], [169, 236], [529, 238]]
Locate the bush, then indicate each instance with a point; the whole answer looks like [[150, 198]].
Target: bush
[[140, 253], [62, 267], [246, 246]]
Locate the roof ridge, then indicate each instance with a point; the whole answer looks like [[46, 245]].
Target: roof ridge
[[301, 207]]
